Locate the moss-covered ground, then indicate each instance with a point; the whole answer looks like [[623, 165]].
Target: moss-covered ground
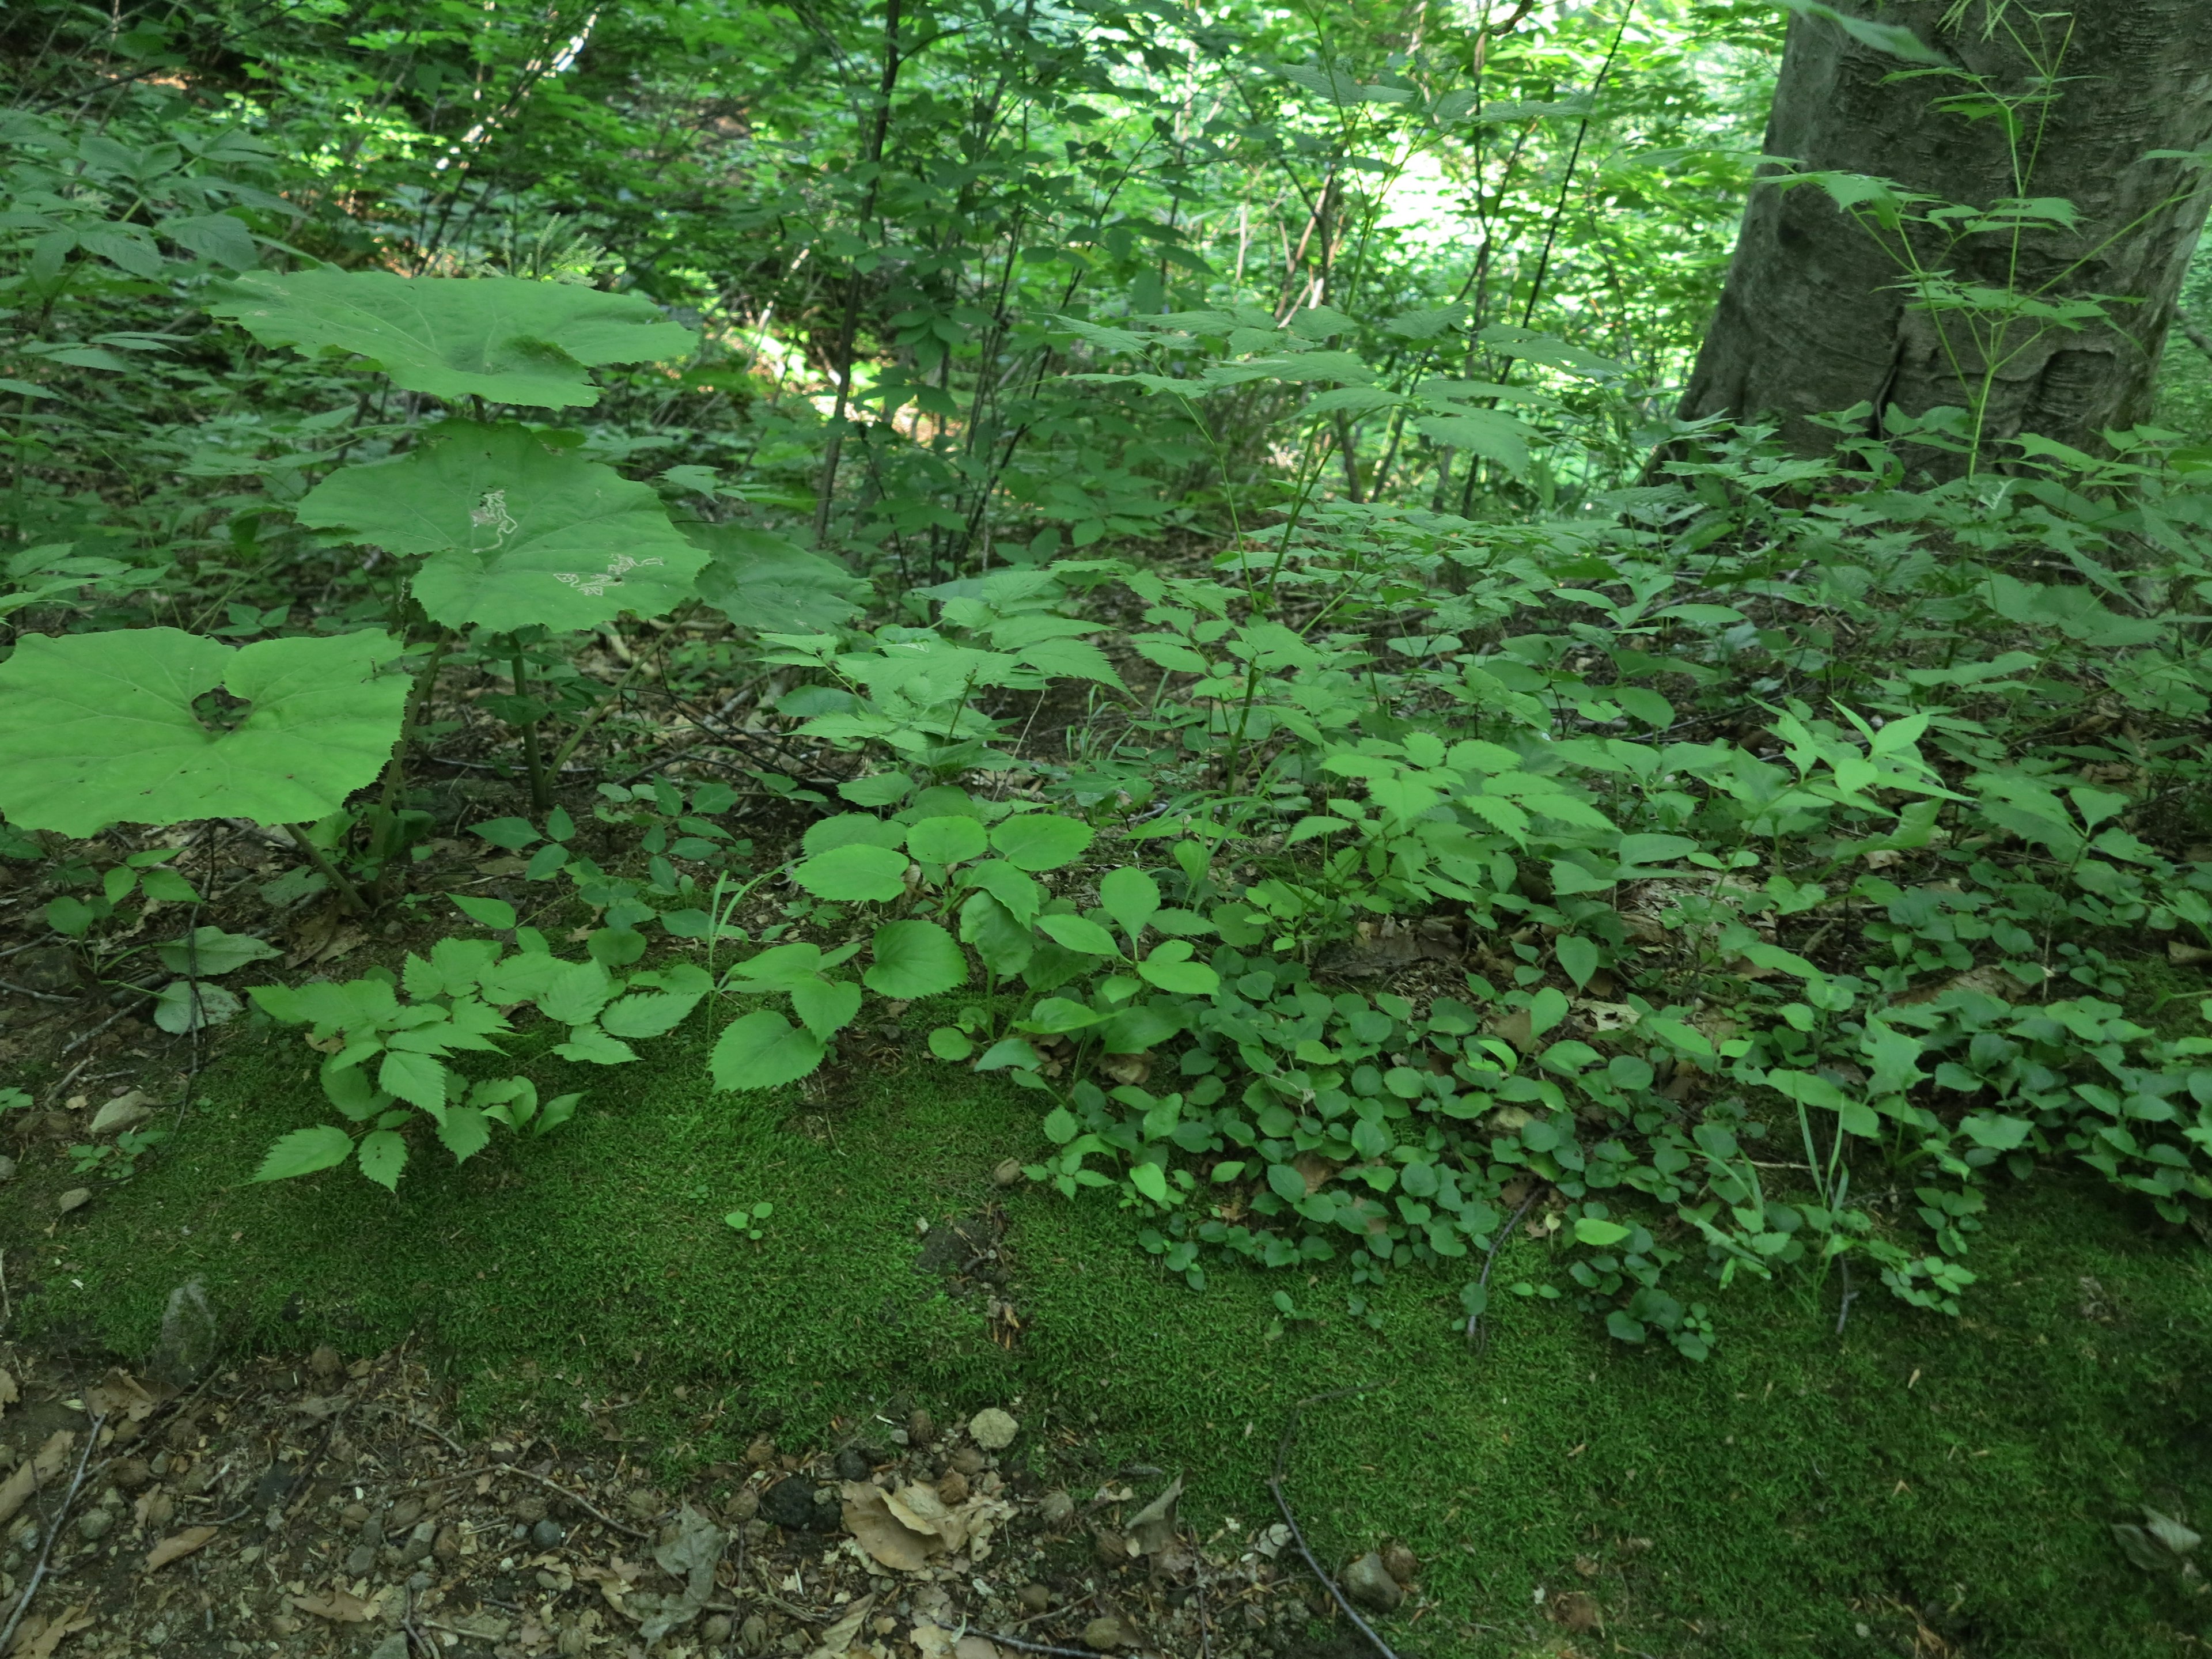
[[1916, 1484]]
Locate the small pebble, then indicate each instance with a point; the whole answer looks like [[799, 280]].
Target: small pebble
[[993, 1430], [1368, 1581], [7, 1169], [404, 1514], [1008, 1172], [92, 1525], [952, 1489], [547, 1536], [1035, 1598], [968, 1461], [361, 1562], [920, 1425], [752, 1635], [418, 1582], [1055, 1509]]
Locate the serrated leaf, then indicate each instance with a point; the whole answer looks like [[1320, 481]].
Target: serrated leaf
[[761, 580], [575, 993], [1483, 432], [914, 959], [100, 728], [505, 338], [383, 1155], [854, 874], [418, 1079], [464, 1133], [947, 839], [514, 534], [588, 1045], [825, 1007], [762, 1050], [304, 1151], [1038, 841]]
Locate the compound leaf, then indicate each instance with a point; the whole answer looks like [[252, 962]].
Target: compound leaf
[[759, 579]]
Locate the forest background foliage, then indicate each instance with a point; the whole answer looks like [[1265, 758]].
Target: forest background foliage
[[1158, 536]]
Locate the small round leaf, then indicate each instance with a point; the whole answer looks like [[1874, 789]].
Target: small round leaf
[[915, 959], [854, 874], [1040, 840]]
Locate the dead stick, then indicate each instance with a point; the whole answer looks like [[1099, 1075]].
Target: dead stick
[[577, 1499], [1275, 1485], [1477, 1332], [1036, 1647], [53, 1531]]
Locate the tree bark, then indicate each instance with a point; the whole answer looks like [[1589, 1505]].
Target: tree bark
[[1811, 321]]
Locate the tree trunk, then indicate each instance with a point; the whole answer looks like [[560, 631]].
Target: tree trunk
[[1811, 320]]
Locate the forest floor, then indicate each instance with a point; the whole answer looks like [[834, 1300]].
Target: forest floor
[[567, 1333]]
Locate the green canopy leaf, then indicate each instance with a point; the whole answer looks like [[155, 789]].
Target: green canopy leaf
[[507, 338], [516, 534], [102, 728]]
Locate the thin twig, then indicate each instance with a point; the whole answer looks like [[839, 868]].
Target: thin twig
[[36, 996], [577, 1499], [1844, 1311], [53, 1531], [1275, 1485], [1477, 1332]]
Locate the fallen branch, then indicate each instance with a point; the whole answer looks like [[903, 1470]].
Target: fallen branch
[[1035, 1647], [1477, 1333], [52, 1531], [1275, 1485], [577, 1499]]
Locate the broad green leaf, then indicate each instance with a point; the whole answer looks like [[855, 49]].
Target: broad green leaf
[[1483, 432], [825, 1007], [761, 1050], [914, 959], [1548, 349], [761, 580], [848, 829], [464, 1133], [505, 338], [515, 534], [588, 1045], [418, 1079], [495, 914], [383, 1154], [641, 1015], [575, 993], [1599, 1235], [1131, 897], [855, 875], [1892, 37], [1151, 1180], [1037, 841], [1005, 945], [1180, 977], [181, 1006], [947, 839], [1079, 933], [1578, 956], [304, 1151], [210, 953], [1021, 895], [951, 1042], [101, 728]]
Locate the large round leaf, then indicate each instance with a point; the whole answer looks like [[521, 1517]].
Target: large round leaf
[[505, 338], [854, 874], [1040, 840], [914, 959], [101, 728], [762, 1050], [759, 579], [516, 534]]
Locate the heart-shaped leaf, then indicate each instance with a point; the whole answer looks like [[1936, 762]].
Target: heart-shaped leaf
[[914, 959], [507, 338], [854, 874], [947, 841], [515, 533], [1040, 840], [762, 1050], [102, 728], [1131, 897]]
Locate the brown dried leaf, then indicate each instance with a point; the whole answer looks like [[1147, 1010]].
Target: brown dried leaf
[[340, 1607], [49, 1461], [9, 1392], [177, 1546], [1151, 1528], [119, 1395], [37, 1641], [886, 1536]]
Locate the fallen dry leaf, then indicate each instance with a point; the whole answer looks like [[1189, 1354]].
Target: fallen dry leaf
[[49, 1461], [338, 1606], [8, 1393], [119, 1395], [37, 1641], [838, 1638], [178, 1546], [2185, 955], [1151, 1528], [883, 1535]]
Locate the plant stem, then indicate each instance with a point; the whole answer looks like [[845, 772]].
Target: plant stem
[[541, 783], [384, 844], [349, 895]]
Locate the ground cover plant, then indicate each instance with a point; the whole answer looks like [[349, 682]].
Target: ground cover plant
[[1177, 599]]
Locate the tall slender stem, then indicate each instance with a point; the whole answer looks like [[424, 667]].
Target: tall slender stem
[[850, 325], [541, 784], [349, 895]]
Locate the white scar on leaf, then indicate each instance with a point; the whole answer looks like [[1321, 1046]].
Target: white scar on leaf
[[491, 514], [610, 577]]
